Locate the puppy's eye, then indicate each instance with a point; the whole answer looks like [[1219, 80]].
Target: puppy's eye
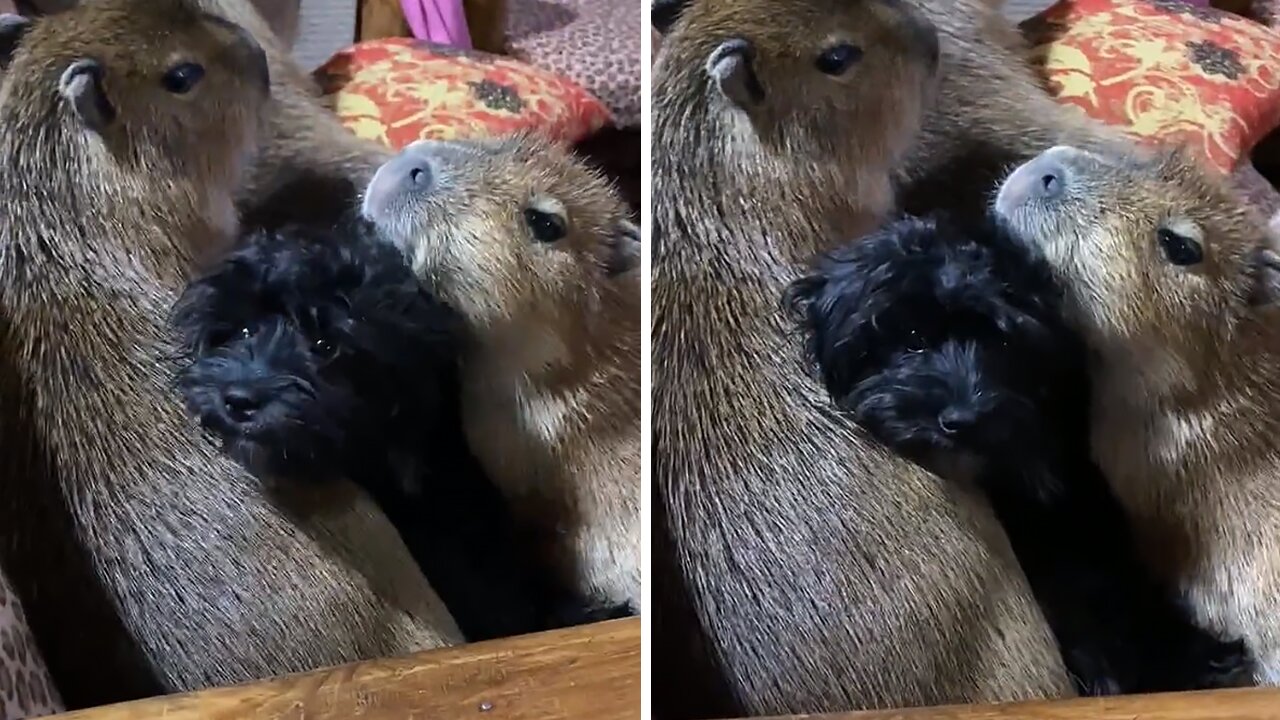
[[546, 227], [218, 338], [245, 332], [837, 59], [322, 348], [1180, 249], [915, 341], [181, 78]]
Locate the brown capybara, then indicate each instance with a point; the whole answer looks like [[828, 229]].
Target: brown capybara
[[536, 253], [991, 109], [146, 560], [799, 566], [309, 168], [1172, 281]]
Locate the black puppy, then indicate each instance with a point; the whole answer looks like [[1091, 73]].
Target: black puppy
[[314, 356], [952, 352]]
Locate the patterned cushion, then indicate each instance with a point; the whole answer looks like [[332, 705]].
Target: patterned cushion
[[26, 690], [595, 42], [400, 90], [1164, 70]]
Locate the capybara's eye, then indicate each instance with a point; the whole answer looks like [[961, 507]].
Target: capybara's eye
[[1180, 249], [182, 77], [836, 59], [546, 227]]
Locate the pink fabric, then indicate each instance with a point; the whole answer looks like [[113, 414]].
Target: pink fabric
[[439, 21]]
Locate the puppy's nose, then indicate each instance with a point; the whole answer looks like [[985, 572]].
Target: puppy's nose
[[241, 404], [954, 419]]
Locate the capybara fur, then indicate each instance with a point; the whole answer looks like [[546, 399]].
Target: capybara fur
[[800, 566], [147, 561], [1171, 279], [309, 169], [950, 348], [537, 254]]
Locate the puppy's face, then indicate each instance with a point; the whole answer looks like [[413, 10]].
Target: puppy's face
[[1153, 252], [514, 234], [916, 330], [301, 352]]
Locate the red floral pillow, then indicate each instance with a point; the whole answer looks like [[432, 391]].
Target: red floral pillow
[[1165, 71], [400, 90]]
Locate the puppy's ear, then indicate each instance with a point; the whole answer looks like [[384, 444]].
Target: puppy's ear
[[622, 249], [664, 13], [81, 86], [12, 29], [191, 319], [1264, 276], [732, 69], [837, 322], [36, 8]]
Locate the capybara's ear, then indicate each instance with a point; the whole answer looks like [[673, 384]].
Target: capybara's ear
[[12, 29], [622, 249], [1264, 276], [36, 8], [732, 68], [664, 13], [81, 86]]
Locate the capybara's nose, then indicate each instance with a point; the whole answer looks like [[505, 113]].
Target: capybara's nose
[[1050, 182], [420, 175], [1042, 179], [241, 404]]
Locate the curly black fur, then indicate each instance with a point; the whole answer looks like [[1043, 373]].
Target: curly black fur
[[952, 351], [317, 355]]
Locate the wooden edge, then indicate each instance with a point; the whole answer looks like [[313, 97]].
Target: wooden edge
[[1242, 704], [590, 671]]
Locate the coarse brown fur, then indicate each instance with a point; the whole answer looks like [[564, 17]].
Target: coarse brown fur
[[551, 374], [812, 569], [282, 17], [147, 560], [309, 168], [1186, 395]]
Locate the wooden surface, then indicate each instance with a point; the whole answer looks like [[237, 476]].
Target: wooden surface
[[587, 673], [1251, 704], [381, 19]]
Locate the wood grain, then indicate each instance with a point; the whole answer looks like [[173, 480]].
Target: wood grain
[[587, 672], [1250, 704], [381, 19]]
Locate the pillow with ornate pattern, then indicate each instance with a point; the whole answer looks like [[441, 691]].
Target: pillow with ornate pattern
[[1165, 71], [399, 90]]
